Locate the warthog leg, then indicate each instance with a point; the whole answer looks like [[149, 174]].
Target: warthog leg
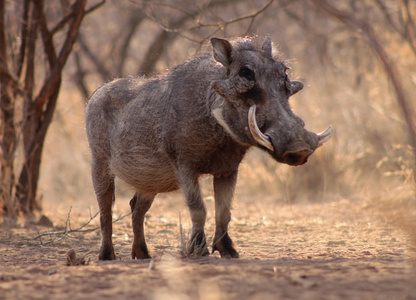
[[104, 189], [197, 245], [224, 190], [139, 204]]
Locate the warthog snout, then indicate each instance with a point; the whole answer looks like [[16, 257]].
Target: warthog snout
[[297, 151], [304, 150], [296, 158]]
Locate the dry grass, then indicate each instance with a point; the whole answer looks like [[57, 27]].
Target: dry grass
[[399, 209], [73, 260]]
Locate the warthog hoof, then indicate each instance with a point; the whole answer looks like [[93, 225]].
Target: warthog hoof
[[197, 246], [224, 245], [139, 251], [107, 253]]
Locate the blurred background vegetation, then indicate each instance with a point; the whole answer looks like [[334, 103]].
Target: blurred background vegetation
[[357, 59]]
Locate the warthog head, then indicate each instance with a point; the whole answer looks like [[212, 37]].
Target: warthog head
[[256, 110]]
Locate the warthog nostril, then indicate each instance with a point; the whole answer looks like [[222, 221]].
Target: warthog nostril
[[296, 158]]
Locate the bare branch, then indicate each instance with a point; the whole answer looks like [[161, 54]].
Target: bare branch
[[30, 55], [79, 75], [102, 70], [409, 30], [2, 32], [7, 76], [136, 18], [68, 17], [51, 81], [158, 45], [192, 15], [166, 37], [161, 4], [251, 16], [410, 27], [387, 16], [94, 7], [46, 35], [24, 33], [62, 23]]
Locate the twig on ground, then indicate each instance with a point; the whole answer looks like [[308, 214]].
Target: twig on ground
[[69, 230]]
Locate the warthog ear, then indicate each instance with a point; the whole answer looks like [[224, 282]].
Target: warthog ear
[[267, 46], [222, 51], [294, 87]]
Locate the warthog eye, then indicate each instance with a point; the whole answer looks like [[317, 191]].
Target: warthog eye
[[247, 73]]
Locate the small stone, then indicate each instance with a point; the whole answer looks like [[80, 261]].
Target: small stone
[[45, 221]]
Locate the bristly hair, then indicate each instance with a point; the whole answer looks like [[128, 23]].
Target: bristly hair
[[253, 43], [246, 43], [250, 43]]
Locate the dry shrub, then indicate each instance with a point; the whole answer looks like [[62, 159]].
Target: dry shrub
[[73, 260], [398, 207], [314, 181]]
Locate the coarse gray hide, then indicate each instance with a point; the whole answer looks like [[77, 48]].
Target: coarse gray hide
[[160, 134]]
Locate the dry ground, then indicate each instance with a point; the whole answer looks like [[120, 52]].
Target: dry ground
[[341, 249]]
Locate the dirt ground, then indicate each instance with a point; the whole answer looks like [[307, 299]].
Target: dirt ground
[[341, 249]]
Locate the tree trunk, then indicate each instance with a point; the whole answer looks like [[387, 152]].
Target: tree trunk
[[26, 189], [8, 142], [19, 84], [7, 127]]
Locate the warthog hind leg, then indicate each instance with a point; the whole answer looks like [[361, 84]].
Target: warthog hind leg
[[104, 189], [139, 204]]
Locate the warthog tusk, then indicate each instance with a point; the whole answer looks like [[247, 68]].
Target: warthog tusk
[[259, 136], [325, 135]]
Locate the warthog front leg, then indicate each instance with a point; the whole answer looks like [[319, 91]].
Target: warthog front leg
[[224, 190], [139, 204], [104, 189], [197, 245]]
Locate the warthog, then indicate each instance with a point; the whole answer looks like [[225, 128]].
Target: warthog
[[160, 134]]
